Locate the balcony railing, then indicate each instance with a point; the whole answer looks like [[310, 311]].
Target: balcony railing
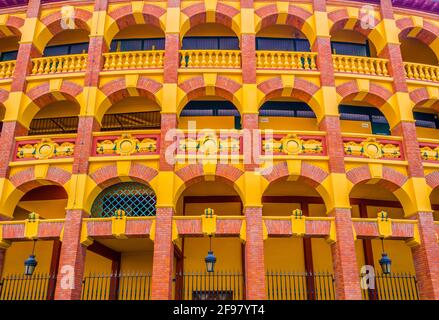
[[286, 60], [210, 59], [21, 287], [397, 286], [38, 148], [6, 69], [126, 144], [361, 65], [294, 143], [417, 71], [133, 60], [123, 286], [429, 150], [373, 147], [59, 64]]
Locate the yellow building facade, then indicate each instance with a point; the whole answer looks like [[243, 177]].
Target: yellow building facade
[[296, 140]]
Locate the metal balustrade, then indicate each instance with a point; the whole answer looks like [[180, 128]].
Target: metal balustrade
[[395, 286], [59, 64], [361, 65], [286, 60], [20, 287], [417, 71], [210, 59], [6, 69], [133, 60]]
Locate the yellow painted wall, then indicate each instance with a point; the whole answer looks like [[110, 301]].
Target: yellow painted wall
[[356, 126], [47, 209], [69, 37], [18, 252], [227, 252], [208, 122], [133, 104], [285, 123], [58, 109], [221, 209], [280, 31], [398, 252], [137, 261], [284, 254], [95, 263], [9, 44], [352, 37], [140, 32], [413, 50], [427, 133], [210, 29]]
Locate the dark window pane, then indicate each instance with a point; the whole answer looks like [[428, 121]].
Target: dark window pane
[[8, 56], [200, 43], [154, 44], [131, 45], [56, 51], [275, 44], [426, 120], [302, 45], [229, 43], [354, 116], [350, 49], [79, 48], [210, 108], [286, 109]]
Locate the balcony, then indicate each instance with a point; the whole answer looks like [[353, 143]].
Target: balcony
[[286, 60], [424, 72], [126, 144], [191, 59], [133, 60], [361, 65], [6, 69], [59, 64], [45, 148], [429, 150], [372, 147]]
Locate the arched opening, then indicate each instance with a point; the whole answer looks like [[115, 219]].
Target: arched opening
[[49, 202], [361, 117], [193, 282], [282, 38], [351, 43], [415, 50], [367, 200], [297, 268], [9, 48], [67, 42], [132, 113], [59, 117], [210, 112], [287, 114], [434, 199], [120, 269], [427, 121], [138, 38]]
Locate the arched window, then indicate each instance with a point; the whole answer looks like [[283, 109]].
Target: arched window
[[136, 199]]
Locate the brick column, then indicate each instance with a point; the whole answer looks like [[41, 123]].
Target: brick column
[[2, 261], [347, 276], [344, 259], [426, 258], [72, 258], [26, 51], [163, 258], [254, 255]]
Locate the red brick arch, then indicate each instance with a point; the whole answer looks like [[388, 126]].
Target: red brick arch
[[25, 180], [53, 22], [302, 90], [309, 174], [340, 18], [42, 95], [376, 96], [118, 89], [194, 173], [427, 34], [124, 17], [296, 17], [108, 176], [421, 97], [196, 87], [433, 179], [13, 25], [391, 180], [197, 14], [4, 94]]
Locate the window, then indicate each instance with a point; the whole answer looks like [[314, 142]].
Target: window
[[212, 109], [210, 43], [8, 56], [378, 122], [282, 44], [426, 120], [134, 198], [122, 45], [286, 109], [351, 49], [76, 48]]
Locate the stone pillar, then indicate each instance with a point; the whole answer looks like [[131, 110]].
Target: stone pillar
[[254, 255], [72, 258], [163, 258]]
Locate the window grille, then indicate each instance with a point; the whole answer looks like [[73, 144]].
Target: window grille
[[136, 199]]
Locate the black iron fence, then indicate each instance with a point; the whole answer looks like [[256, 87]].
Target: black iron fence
[[395, 286], [300, 286], [123, 286], [21, 287], [219, 285]]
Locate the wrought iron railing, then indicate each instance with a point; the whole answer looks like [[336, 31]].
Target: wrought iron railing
[[123, 286], [210, 286], [395, 286], [300, 286], [20, 287]]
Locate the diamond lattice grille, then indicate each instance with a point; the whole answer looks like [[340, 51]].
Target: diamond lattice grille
[[136, 199]]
